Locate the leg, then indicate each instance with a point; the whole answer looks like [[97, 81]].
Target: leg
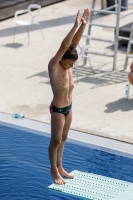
[[66, 128], [57, 124]]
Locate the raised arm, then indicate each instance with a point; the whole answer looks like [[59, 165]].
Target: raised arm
[[65, 43], [80, 31]]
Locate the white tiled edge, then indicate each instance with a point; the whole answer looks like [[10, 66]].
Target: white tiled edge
[[85, 139]]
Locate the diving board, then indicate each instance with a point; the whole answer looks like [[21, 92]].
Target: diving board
[[94, 187]]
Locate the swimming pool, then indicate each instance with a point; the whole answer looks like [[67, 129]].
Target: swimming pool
[[24, 163]]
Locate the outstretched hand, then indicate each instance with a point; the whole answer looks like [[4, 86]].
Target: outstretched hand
[[85, 16], [78, 18], [84, 19]]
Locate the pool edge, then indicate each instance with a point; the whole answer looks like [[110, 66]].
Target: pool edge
[[93, 141]]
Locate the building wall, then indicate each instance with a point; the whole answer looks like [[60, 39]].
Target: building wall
[[8, 7]]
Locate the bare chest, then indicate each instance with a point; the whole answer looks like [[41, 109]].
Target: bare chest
[[65, 78], [62, 80]]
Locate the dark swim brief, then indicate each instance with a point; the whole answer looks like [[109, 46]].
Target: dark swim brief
[[65, 111]]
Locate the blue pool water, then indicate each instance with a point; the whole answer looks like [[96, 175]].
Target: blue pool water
[[24, 165]]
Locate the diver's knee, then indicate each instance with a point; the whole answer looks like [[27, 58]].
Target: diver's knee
[[55, 143], [64, 138]]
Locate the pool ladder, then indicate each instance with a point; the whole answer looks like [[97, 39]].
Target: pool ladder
[[117, 11]]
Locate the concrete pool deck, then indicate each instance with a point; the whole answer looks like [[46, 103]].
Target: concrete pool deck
[[99, 104], [92, 141]]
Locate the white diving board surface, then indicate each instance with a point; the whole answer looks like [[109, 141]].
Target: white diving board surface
[[94, 187]]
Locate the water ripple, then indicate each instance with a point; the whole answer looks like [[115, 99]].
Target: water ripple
[[24, 165]]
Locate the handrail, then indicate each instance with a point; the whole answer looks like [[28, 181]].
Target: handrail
[[108, 8], [126, 15]]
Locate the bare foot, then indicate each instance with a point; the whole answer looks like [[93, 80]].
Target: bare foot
[[64, 173], [56, 177]]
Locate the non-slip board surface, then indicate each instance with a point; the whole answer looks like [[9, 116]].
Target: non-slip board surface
[[95, 187]]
